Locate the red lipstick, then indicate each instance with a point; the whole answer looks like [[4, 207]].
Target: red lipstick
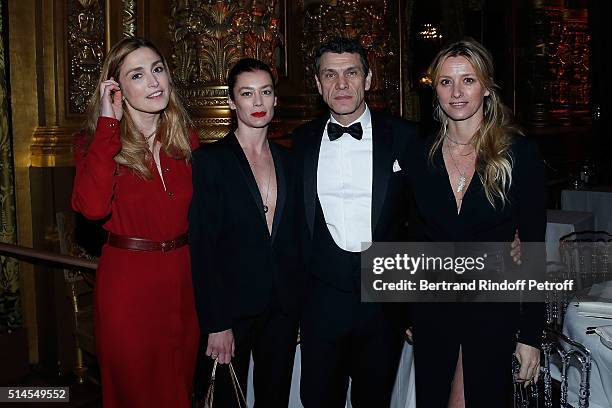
[[258, 114]]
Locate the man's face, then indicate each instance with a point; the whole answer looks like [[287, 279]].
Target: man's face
[[342, 84]]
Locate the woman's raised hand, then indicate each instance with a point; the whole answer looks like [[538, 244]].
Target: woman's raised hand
[[110, 99]]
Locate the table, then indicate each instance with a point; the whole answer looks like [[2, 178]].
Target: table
[[575, 324], [597, 200], [403, 391], [560, 223]]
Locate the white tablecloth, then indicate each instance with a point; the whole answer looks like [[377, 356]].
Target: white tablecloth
[[574, 327], [597, 200], [403, 392], [560, 223]]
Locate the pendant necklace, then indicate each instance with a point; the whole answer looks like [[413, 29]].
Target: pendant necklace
[[462, 179], [252, 165], [265, 207], [148, 138]]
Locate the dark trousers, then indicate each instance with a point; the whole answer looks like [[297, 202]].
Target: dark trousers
[[487, 342], [271, 337], [342, 338]]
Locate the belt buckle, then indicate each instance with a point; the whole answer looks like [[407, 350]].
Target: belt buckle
[[167, 245]]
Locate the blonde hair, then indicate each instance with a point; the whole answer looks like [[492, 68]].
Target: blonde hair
[[173, 125], [493, 138]]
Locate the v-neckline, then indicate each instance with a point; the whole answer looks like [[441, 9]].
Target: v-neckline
[[253, 186], [159, 168], [457, 211]]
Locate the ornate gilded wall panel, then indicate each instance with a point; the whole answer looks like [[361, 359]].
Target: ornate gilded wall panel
[[568, 64], [555, 86], [10, 307], [85, 50], [369, 22], [207, 39]]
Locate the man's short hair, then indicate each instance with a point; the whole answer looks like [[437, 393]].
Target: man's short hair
[[339, 45]]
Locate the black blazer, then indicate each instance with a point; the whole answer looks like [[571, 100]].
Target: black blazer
[[391, 137], [437, 220], [239, 269]]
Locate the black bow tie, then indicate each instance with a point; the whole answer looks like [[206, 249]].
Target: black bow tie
[[334, 130]]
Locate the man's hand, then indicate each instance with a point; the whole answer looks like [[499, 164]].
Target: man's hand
[[529, 359], [515, 249], [221, 346]]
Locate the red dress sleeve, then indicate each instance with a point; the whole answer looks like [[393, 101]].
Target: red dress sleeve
[[95, 169]]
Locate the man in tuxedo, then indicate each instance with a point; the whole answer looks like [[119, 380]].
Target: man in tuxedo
[[350, 192]]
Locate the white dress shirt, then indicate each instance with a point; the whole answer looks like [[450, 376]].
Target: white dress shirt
[[344, 186]]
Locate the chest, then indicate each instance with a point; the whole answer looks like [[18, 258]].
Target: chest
[[175, 189], [436, 200], [345, 165]]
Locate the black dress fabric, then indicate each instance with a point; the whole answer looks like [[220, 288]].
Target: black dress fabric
[[486, 332]]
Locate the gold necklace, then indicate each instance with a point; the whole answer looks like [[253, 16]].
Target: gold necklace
[[457, 142], [265, 207], [462, 179], [147, 138], [252, 165]]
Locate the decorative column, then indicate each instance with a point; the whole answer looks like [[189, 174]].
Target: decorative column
[[208, 37]]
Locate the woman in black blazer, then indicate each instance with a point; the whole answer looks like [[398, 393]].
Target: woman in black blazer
[[242, 235], [477, 180]]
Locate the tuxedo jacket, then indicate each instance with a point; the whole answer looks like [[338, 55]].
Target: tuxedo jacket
[[239, 268], [391, 200]]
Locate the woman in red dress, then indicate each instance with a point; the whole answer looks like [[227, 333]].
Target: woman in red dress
[[133, 169]]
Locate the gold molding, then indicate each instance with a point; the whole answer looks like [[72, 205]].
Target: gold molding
[[52, 146], [128, 18], [12, 314], [107, 21], [25, 95]]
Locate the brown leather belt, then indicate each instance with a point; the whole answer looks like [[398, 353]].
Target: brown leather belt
[[142, 244]]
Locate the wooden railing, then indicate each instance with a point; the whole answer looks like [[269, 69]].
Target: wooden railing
[[66, 261]]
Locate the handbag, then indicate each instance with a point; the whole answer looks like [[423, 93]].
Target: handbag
[[523, 397], [210, 393]]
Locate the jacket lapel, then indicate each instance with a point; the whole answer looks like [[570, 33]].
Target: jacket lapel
[[281, 187], [311, 163], [382, 146], [245, 168]]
